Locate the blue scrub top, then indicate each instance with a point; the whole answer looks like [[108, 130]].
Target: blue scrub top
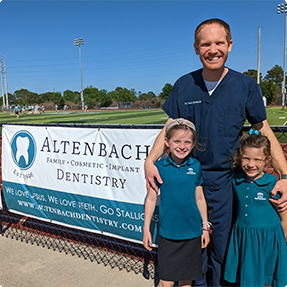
[[218, 118]]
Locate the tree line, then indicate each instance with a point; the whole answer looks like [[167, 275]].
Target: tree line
[[270, 85], [93, 97]]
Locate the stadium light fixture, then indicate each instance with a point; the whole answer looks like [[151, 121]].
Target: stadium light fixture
[[79, 42]]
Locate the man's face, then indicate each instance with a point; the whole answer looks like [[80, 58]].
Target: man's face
[[213, 47]]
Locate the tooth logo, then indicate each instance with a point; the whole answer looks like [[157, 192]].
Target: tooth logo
[[23, 148]]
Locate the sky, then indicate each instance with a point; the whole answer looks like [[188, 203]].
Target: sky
[[139, 45]]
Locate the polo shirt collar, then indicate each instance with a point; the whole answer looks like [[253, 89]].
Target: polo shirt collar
[[187, 161], [264, 180]]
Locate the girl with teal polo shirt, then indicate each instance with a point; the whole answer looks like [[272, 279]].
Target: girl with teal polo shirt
[[257, 251], [183, 224]]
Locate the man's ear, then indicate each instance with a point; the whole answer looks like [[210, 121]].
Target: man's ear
[[196, 48], [230, 44]]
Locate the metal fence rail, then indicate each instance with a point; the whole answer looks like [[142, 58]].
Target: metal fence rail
[[94, 247]]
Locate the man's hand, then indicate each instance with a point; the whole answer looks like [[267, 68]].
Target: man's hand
[[280, 186], [151, 173]]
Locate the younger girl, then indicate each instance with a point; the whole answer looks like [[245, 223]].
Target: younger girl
[[183, 225], [257, 252]]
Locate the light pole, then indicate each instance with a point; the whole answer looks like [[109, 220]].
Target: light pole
[[282, 8], [79, 42]]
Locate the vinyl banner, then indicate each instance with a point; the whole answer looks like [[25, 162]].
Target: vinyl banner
[[86, 178]]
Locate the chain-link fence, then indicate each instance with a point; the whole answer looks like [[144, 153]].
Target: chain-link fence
[[94, 247]]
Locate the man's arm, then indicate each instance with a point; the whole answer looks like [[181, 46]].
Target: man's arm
[[278, 163], [156, 152]]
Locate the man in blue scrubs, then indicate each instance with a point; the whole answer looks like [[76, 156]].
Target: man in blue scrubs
[[217, 100]]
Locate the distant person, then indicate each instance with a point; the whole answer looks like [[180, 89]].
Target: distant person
[[183, 225], [257, 251], [217, 100], [56, 108], [86, 108], [16, 109], [43, 108], [264, 101]]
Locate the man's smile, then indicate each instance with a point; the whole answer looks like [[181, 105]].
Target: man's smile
[[213, 59]]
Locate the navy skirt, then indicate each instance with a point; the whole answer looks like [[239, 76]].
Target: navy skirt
[[179, 259]]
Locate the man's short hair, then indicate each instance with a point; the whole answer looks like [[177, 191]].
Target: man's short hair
[[209, 22]]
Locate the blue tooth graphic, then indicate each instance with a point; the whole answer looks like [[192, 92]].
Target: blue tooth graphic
[[22, 144]]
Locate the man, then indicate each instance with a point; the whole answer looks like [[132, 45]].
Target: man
[[218, 100]]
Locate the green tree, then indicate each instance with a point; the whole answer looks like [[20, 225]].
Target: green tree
[[25, 97], [92, 96], [11, 99], [269, 89], [46, 97], [106, 99], [166, 91], [125, 95], [57, 98], [253, 73], [113, 96], [272, 82], [151, 94], [70, 96], [275, 75], [146, 96]]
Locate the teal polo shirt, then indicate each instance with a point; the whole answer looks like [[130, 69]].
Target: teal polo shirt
[[254, 208], [179, 217]]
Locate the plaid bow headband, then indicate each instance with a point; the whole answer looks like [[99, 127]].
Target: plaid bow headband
[[180, 122]]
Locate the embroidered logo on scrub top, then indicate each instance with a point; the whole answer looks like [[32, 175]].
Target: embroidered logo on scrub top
[[190, 171], [192, 103], [260, 196]]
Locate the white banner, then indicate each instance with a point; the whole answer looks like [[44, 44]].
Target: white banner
[[90, 179]]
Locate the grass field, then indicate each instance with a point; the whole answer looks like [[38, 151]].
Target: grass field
[[156, 116], [275, 115]]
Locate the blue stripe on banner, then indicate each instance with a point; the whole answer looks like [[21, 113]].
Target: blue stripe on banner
[[90, 213]]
